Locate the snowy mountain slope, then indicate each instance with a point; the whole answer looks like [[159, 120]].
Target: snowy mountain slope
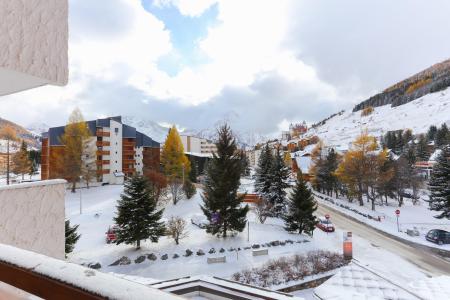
[[37, 128], [417, 115], [148, 127]]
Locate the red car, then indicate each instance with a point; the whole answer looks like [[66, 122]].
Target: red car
[[325, 224], [111, 234]]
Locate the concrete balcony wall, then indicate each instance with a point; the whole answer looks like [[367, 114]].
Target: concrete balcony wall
[[32, 217], [33, 44]]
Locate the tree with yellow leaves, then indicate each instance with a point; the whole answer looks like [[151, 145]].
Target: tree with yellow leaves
[[175, 163], [356, 166], [75, 135], [9, 134]]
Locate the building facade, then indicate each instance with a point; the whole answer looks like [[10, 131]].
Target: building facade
[[114, 150], [193, 144]]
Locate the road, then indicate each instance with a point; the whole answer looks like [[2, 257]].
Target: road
[[425, 260]]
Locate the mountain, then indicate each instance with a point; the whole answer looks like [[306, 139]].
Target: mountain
[[37, 128], [415, 103], [23, 134], [148, 127], [430, 80], [417, 115]]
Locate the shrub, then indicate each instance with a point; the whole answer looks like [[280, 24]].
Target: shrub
[[189, 189], [367, 111], [286, 269]]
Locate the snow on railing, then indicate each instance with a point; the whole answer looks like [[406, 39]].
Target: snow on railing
[[50, 278]]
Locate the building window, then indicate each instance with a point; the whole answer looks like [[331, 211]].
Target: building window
[[116, 130]]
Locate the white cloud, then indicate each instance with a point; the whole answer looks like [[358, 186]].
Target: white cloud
[[247, 41]]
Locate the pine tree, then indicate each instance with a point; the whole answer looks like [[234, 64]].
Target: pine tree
[[301, 207], [331, 164], [439, 185], [175, 163], [279, 174], [442, 136], [262, 181], [137, 218], [431, 135], [422, 148], [189, 189], [221, 202], [22, 163], [194, 170], [71, 237]]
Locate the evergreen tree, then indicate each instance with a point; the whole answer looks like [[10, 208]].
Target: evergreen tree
[[279, 175], [422, 148], [431, 135], [442, 136], [410, 155], [71, 237], [221, 202], [262, 181], [245, 164], [439, 185], [194, 170], [22, 163], [137, 218], [189, 189], [301, 207]]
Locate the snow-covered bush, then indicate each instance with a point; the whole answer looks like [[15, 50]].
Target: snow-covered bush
[[286, 269], [139, 259], [188, 252], [151, 256]]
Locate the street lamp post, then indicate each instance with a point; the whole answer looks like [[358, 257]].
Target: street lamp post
[[81, 198], [183, 173]]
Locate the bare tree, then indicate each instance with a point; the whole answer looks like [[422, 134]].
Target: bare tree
[[176, 228], [263, 209], [88, 161], [176, 189]]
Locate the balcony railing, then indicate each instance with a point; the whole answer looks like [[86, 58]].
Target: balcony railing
[[50, 278], [102, 162], [102, 152], [102, 133], [103, 143]]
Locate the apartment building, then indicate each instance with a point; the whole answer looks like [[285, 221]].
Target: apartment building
[[116, 149], [193, 144]]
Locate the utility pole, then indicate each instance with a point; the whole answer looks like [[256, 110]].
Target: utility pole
[[81, 198], [248, 231], [7, 162]]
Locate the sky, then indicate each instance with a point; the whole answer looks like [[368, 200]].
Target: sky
[[257, 64]]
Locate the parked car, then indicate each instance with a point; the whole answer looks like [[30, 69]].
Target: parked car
[[199, 220], [438, 236], [325, 224], [111, 234]]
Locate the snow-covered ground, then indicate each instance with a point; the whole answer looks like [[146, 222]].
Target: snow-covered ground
[[417, 115], [99, 209], [411, 216]]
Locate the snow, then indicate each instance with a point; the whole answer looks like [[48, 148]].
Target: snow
[[88, 279], [417, 115], [99, 209], [411, 216], [151, 128], [357, 281]]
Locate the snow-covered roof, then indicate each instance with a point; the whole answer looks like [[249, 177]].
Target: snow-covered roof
[[435, 155], [359, 282], [209, 155], [205, 285], [304, 163]]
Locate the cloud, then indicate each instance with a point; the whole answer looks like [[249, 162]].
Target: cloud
[[362, 47], [258, 64]]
